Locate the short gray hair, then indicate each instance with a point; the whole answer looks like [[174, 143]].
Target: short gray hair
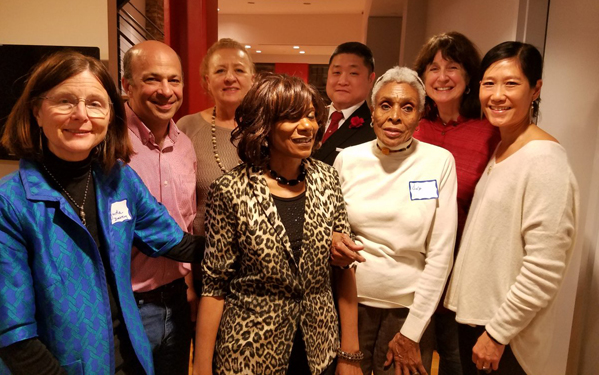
[[401, 75], [127, 73]]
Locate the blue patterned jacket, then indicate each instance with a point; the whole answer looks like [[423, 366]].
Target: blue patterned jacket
[[52, 280]]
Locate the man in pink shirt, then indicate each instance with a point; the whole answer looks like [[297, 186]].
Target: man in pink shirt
[[166, 162]]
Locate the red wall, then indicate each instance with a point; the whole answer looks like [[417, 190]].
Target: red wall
[[298, 70], [191, 27]]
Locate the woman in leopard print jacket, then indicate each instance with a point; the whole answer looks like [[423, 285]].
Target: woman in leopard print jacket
[[267, 304]]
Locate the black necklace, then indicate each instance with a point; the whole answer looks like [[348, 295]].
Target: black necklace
[[283, 181], [387, 151]]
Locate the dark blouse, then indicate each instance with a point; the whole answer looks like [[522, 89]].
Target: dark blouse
[[291, 211]]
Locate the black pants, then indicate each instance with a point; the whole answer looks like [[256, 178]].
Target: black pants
[[508, 364], [298, 362]]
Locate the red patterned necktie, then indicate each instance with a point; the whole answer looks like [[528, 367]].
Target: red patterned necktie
[[333, 126]]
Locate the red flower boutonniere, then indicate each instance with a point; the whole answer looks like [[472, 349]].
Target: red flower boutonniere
[[356, 122]]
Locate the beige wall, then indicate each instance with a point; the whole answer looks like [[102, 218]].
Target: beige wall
[[293, 59], [570, 111], [303, 29], [413, 30], [8, 166], [384, 39], [306, 29], [486, 23], [65, 22]]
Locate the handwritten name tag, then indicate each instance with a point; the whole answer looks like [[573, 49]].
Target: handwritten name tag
[[119, 212], [420, 190]]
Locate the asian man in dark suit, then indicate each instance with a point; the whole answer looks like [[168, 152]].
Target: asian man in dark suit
[[349, 81]]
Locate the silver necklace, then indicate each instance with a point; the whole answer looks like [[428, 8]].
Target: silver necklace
[[81, 212], [214, 149]]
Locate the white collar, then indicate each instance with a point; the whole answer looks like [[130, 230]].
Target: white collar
[[346, 112]]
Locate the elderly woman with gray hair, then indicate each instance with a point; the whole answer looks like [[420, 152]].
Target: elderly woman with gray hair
[[400, 195]]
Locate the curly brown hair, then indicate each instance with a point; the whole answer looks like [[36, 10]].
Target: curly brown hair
[[22, 132], [272, 99], [455, 47]]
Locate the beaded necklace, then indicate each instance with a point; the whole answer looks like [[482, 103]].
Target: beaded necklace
[[214, 149], [387, 151], [283, 181]]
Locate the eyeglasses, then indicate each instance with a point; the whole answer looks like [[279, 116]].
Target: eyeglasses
[[65, 105]]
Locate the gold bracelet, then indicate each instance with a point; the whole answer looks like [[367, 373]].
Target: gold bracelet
[[352, 357]]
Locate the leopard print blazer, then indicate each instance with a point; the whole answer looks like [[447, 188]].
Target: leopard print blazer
[[268, 295]]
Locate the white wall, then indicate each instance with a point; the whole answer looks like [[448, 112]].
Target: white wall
[[65, 22], [570, 111], [486, 23]]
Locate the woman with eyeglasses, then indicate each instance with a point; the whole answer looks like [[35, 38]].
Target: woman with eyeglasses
[[68, 219]]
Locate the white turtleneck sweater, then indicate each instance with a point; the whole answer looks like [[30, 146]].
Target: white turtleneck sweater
[[402, 208]]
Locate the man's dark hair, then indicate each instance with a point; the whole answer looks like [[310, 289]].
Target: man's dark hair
[[358, 49]]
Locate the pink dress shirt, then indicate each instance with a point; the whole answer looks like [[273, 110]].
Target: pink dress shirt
[[170, 175]]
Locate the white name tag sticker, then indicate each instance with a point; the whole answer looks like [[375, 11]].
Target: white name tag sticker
[[420, 190], [119, 212]]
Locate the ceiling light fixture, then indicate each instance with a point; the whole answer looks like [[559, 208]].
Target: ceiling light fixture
[[295, 47], [247, 46], [258, 51], [302, 52]]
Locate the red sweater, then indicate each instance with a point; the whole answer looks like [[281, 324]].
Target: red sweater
[[471, 142]]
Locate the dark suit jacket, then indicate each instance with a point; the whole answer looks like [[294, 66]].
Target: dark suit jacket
[[346, 136]]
